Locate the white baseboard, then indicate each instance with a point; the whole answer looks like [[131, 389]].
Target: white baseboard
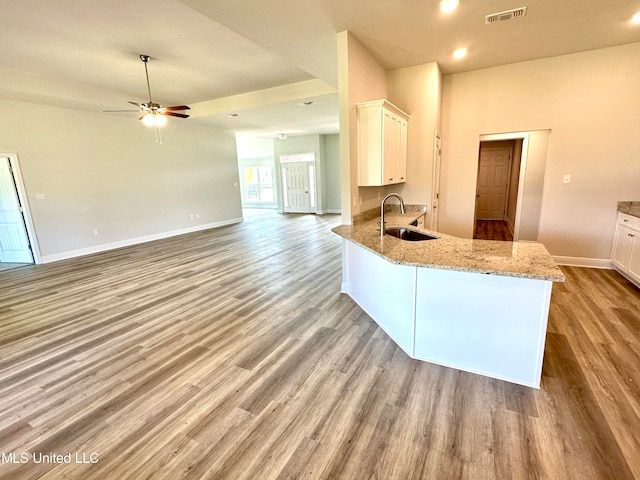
[[333, 210], [135, 241], [584, 262]]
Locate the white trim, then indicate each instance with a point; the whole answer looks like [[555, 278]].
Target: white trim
[[324, 212], [523, 168], [583, 262], [333, 210], [135, 241], [628, 277], [24, 202], [435, 181]]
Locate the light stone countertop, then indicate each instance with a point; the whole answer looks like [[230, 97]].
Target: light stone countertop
[[511, 259], [630, 208]]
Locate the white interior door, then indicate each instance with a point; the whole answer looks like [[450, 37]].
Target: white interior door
[[14, 242], [493, 177], [298, 187]]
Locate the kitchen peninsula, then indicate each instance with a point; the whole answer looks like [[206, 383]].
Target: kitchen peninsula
[[475, 305]]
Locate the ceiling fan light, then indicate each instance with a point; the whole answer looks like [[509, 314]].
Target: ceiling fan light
[[148, 120], [159, 120], [448, 6]]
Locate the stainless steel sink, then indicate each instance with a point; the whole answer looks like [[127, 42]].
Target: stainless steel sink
[[407, 234]]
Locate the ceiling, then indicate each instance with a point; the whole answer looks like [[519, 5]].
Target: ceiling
[[261, 59]]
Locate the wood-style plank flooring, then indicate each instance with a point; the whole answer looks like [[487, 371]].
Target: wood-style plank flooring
[[231, 354], [493, 230]]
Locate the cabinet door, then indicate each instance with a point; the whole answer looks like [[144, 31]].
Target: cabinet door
[[622, 247], [402, 150], [634, 257], [390, 148]]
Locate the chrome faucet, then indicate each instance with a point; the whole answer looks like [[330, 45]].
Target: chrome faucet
[[382, 210]]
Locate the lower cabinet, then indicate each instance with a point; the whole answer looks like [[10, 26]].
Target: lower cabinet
[[491, 325], [626, 247]]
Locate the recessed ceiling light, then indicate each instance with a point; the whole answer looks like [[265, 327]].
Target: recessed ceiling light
[[448, 6], [306, 104], [460, 53], [636, 18]]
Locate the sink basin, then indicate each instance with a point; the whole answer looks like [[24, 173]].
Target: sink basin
[[406, 234]]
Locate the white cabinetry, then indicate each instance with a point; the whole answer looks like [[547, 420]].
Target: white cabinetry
[[382, 143], [626, 247], [499, 329]]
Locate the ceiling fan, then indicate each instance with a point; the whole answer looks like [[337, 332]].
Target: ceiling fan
[[153, 114]]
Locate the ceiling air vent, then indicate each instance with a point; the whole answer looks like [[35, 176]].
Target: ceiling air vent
[[506, 15]]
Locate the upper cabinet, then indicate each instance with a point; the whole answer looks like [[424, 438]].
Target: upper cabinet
[[382, 143]]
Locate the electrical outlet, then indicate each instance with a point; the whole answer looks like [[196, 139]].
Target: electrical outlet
[[95, 232], [191, 216], [40, 196], [197, 215]]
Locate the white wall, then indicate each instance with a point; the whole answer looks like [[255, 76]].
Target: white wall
[[105, 172], [591, 103]]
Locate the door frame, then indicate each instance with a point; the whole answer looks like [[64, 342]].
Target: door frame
[[523, 167], [435, 181], [312, 189], [317, 185], [24, 203]]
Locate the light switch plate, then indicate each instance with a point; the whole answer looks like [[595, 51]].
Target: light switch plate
[[566, 178]]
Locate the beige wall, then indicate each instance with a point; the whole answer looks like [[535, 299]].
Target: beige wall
[[590, 102], [326, 173], [105, 172], [361, 79], [417, 91], [332, 171]]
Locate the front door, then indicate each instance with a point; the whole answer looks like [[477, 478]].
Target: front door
[[298, 185], [14, 242], [493, 178]]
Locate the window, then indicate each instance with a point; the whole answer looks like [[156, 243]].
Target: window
[[301, 157], [258, 185]]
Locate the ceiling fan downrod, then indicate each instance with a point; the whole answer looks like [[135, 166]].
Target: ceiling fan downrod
[[145, 59]]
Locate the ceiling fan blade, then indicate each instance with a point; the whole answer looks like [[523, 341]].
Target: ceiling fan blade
[[133, 103], [173, 114], [177, 107], [111, 111]]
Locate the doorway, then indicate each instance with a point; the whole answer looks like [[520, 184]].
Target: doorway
[[299, 183], [526, 179], [496, 190], [16, 246]]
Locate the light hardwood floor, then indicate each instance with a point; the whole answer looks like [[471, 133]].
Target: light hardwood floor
[[231, 354]]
